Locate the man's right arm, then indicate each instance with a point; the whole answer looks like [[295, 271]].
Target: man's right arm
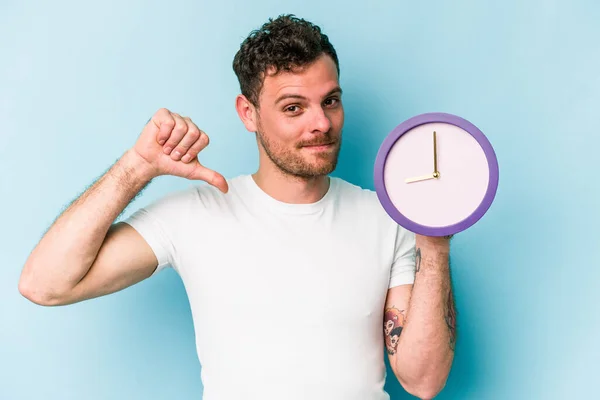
[[85, 254]]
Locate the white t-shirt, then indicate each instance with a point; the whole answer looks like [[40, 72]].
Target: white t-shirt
[[287, 300]]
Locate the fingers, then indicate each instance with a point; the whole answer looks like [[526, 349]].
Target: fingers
[[192, 143], [196, 147], [180, 137], [177, 134], [164, 121]]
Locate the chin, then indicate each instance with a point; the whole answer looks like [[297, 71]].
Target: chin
[[322, 168], [323, 163]]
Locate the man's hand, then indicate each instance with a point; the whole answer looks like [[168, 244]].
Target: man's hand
[[170, 144]]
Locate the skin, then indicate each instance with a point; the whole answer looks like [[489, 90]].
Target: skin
[[84, 254]]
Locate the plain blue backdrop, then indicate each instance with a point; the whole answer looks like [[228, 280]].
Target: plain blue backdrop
[[78, 80]]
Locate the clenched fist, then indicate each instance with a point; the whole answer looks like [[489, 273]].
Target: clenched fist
[[170, 143]]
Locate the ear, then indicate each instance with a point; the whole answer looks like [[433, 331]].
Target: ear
[[247, 112]]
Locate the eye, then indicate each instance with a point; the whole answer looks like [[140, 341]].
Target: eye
[[332, 101], [292, 109]]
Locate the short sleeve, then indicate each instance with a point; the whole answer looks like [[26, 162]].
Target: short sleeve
[[158, 223], [403, 266]]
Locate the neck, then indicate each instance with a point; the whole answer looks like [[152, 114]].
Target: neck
[[291, 189]]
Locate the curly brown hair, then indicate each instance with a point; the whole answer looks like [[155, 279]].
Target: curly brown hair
[[284, 43]]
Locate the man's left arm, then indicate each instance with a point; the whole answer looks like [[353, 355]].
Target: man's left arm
[[420, 321]]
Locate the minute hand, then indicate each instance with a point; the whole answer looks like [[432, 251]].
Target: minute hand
[[435, 170]]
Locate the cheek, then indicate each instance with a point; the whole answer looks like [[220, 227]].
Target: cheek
[[337, 118], [282, 130]]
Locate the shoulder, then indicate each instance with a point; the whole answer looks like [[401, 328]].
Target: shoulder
[[362, 200], [353, 193], [365, 205]]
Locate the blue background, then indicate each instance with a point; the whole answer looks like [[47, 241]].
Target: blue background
[[78, 80]]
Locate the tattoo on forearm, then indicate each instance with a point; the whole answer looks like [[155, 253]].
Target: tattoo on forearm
[[418, 259], [393, 322], [451, 320]]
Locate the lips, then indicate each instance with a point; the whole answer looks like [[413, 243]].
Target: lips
[[320, 147], [319, 144]]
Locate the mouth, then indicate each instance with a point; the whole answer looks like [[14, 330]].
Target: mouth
[[320, 147]]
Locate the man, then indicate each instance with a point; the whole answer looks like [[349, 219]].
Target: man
[[297, 281]]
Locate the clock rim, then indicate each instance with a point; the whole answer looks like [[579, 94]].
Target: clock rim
[[390, 141]]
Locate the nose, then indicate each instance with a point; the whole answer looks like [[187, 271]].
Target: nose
[[320, 122]]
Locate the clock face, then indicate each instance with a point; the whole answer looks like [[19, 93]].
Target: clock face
[[436, 174]]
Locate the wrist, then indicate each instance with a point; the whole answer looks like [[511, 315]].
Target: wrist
[[433, 244], [135, 169], [433, 253]]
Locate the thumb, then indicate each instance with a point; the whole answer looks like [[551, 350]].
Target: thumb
[[200, 172]]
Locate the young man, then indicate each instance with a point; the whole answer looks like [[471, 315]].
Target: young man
[[297, 281]]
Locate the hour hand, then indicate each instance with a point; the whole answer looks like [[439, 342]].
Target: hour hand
[[420, 178]]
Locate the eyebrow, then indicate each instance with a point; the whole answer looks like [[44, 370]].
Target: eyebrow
[[297, 96]]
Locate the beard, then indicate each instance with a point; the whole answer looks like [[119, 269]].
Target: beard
[[292, 161]]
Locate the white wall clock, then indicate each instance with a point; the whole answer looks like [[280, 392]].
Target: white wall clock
[[436, 174]]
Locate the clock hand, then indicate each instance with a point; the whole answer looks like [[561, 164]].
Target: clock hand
[[436, 173], [419, 178]]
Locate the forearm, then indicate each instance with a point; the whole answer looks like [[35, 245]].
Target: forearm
[[67, 250], [426, 346]]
